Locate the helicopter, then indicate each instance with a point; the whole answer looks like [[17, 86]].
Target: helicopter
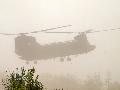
[[28, 49]]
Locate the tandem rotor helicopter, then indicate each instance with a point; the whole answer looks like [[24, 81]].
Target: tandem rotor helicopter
[[28, 49]]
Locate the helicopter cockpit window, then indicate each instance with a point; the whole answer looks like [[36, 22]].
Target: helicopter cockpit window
[[25, 44]]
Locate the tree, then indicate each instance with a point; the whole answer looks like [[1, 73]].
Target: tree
[[22, 80]]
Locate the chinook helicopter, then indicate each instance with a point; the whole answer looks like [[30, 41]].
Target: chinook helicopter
[[27, 48]]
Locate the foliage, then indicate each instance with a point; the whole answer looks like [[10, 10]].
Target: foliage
[[23, 80]]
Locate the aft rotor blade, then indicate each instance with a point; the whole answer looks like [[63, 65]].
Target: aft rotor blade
[[115, 29]]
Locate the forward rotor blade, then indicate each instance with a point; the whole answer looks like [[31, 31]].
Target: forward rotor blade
[[60, 32], [44, 30], [22, 33], [7, 34], [51, 29], [87, 31]]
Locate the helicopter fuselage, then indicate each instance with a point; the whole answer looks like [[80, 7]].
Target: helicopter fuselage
[[27, 48]]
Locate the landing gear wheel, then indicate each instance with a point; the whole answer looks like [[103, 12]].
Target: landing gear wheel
[[35, 62], [62, 59], [68, 59]]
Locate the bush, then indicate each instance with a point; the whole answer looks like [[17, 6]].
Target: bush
[[23, 80]]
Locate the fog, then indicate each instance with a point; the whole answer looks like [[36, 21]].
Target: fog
[[34, 15]]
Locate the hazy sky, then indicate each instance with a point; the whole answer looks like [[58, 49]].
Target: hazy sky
[[17, 16]]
